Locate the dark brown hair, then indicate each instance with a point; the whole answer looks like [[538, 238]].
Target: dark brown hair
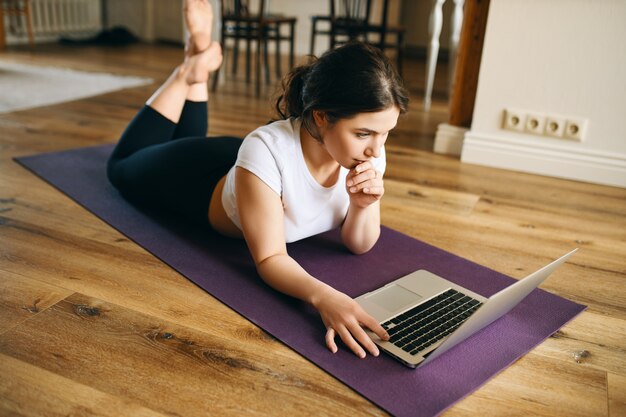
[[354, 78]]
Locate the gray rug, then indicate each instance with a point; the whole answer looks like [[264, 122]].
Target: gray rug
[[27, 86]]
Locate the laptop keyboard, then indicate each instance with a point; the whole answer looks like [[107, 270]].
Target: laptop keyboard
[[424, 325]]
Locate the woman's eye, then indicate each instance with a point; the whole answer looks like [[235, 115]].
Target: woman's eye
[[362, 135]]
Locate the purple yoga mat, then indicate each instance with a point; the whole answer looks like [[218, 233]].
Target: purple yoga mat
[[224, 268]]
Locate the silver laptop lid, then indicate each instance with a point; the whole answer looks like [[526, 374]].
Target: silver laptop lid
[[497, 305]]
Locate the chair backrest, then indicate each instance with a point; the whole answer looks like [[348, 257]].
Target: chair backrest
[[245, 9], [360, 18], [350, 10]]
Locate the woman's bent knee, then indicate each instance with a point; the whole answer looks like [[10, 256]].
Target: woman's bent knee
[[113, 173]]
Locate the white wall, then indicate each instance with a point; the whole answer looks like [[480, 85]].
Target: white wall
[[131, 15], [563, 57], [152, 20]]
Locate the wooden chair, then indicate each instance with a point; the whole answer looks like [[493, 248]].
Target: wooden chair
[[352, 20], [17, 8], [346, 22], [239, 22], [316, 31]]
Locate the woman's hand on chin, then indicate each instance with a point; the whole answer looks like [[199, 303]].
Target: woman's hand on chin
[[365, 185]]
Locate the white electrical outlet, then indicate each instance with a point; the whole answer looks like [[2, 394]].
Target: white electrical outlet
[[575, 129], [552, 125], [514, 120], [555, 126], [535, 123]]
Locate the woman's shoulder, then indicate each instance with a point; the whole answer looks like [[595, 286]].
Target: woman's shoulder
[[279, 130], [280, 137], [274, 143]]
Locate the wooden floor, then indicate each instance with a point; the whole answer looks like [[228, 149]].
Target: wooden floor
[[92, 324]]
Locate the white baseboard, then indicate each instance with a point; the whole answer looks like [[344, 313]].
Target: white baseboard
[[563, 161], [449, 139]]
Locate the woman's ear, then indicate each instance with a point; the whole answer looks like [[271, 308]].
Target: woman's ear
[[320, 119]]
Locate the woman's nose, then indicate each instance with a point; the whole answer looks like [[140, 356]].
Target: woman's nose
[[373, 149]]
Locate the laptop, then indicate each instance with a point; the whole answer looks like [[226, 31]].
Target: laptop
[[425, 315]]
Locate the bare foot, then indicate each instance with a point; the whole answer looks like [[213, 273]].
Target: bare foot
[[196, 67], [199, 21]]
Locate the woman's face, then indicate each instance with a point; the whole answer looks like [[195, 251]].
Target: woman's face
[[360, 138]]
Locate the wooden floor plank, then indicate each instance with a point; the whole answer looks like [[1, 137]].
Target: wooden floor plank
[[540, 386], [591, 340], [413, 196], [22, 298], [117, 351], [617, 395], [33, 391]]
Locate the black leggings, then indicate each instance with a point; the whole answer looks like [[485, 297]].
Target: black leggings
[[171, 166]]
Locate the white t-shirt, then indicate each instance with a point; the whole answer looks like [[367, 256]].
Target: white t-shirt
[[274, 154]]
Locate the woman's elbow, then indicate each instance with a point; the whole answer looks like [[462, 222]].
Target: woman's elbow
[[359, 250], [362, 246]]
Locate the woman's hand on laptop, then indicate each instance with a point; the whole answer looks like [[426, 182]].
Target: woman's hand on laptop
[[344, 317]]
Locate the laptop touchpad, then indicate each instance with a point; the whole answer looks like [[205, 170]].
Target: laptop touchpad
[[394, 298]]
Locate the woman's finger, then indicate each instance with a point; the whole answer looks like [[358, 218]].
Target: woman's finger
[[374, 190], [370, 184], [363, 166], [330, 340], [363, 339], [372, 324], [370, 174], [349, 341]]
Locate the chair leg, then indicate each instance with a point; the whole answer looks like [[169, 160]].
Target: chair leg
[[29, 23], [259, 42], [233, 68], [3, 41], [248, 57], [266, 61], [216, 74], [400, 56], [313, 34], [278, 57], [292, 40]]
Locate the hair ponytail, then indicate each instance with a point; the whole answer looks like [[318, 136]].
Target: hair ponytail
[[289, 103]]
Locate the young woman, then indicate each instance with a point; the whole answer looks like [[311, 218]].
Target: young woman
[[319, 168]]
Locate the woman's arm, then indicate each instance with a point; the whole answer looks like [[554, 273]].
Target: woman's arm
[[261, 214], [361, 228]]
